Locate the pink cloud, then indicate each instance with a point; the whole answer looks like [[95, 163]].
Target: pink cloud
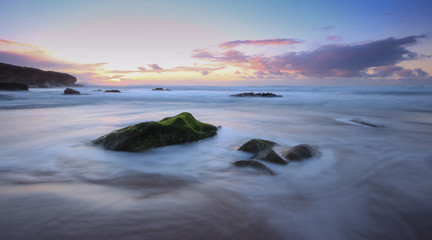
[[334, 37], [230, 56], [263, 42]]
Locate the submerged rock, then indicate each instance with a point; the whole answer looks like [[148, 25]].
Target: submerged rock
[[182, 128], [254, 164], [70, 91], [112, 91], [262, 150], [358, 121], [11, 86], [299, 152], [251, 94]]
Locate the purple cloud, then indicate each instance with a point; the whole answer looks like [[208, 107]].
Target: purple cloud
[[230, 56], [154, 66], [341, 60], [263, 42]]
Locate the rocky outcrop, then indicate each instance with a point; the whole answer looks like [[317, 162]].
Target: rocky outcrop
[[299, 152], [179, 129], [33, 77], [112, 91], [70, 91], [251, 94], [7, 86]]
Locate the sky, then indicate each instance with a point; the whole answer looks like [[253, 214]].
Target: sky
[[167, 42]]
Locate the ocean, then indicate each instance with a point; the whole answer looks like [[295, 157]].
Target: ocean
[[365, 182]]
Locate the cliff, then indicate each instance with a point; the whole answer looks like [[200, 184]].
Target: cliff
[[33, 77]]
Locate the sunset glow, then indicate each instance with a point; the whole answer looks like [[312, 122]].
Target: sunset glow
[[145, 42]]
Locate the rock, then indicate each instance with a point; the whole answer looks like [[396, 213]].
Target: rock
[[157, 89], [254, 164], [112, 91], [12, 86], [262, 150], [70, 91], [256, 145], [299, 152], [179, 129], [358, 121], [33, 77], [270, 155], [251, 94]]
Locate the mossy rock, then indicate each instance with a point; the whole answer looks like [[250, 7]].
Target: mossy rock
[[183, 128]]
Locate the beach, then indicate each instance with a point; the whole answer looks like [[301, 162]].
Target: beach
[[367, 182]]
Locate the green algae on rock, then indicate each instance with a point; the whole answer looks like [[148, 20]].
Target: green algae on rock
[[183, 128]]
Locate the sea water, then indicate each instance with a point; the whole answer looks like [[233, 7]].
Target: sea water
[[364, 183]]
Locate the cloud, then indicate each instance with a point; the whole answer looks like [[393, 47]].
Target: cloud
[[230, 56], [142, 69], [346, 60], [369, 59], [205, 72], [332, 60], [8, 43], [396, 71], [154, 66], [334, 37], [263, 42], [44, 62]]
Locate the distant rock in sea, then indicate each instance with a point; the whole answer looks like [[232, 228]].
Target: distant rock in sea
[[367, 124], [11, 86], [251, 94], [70, 91], [112, 91], [160, 89], [33, 77], [182, 128]]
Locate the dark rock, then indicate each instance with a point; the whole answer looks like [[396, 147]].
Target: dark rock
[[179, 129], [254, 164], [251, 94], [112, 91], [299, 152], [256, 145], [262, 150], [157, 89], [12, 86], [70, 91], [270, 155], [33, 77], [358, 121]]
